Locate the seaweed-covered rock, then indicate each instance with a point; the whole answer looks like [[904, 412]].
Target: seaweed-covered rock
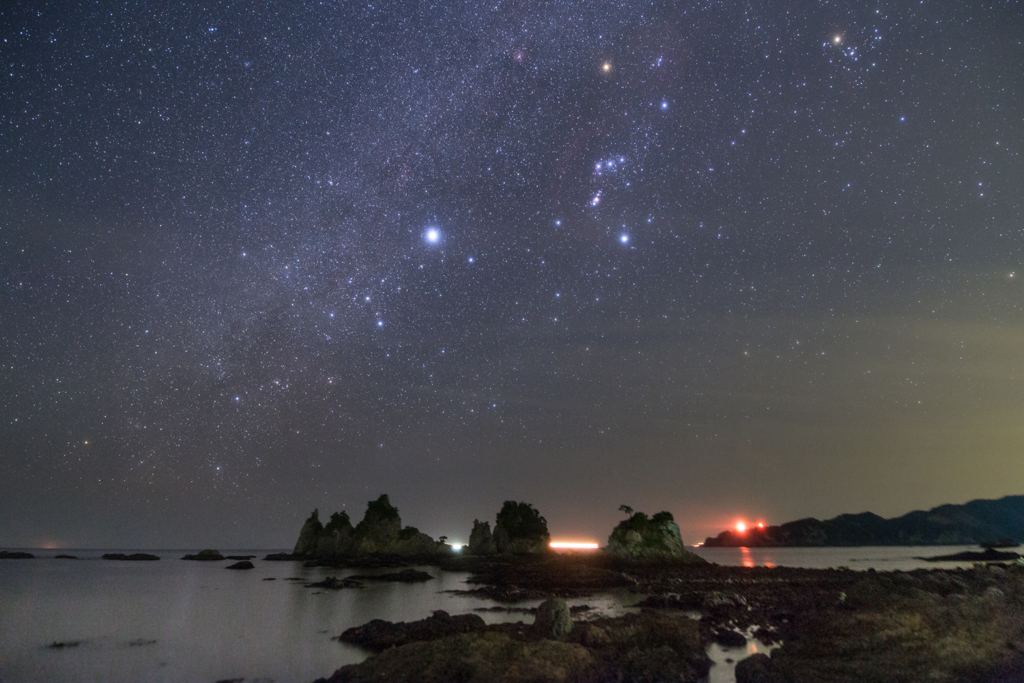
[[641, 537], [520, 529], [553, 619], [309, 536], [481, 542], [379, 635], [487, 657]]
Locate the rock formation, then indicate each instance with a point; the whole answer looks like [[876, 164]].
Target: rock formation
[[520, 530], [207, 555], [648, 538], [481, 542], [379, 533]]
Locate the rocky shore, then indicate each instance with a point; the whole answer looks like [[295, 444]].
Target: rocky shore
[[827, 625]]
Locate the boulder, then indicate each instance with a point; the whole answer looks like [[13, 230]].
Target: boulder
[[244, 564], [378, 635], [755, 669], [728, 638], [481, 542], [520, 530], [553, 619], [205, 556]]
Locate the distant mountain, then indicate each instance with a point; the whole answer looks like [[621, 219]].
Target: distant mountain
[[979, 521]]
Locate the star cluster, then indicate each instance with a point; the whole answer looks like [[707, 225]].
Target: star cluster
[[292, 255]]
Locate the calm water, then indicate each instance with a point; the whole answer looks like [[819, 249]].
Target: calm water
[[173, 620], [195, 621]]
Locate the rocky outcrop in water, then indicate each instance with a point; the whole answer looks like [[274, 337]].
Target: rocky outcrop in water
[[379, 533], [649, 538], [641, 647], [378, 635], [134, 557], [481, 542], [244, 564], [205, 556], [520, 530], [15, 555]]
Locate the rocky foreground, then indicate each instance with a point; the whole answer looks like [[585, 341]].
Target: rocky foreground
[[829, 626]]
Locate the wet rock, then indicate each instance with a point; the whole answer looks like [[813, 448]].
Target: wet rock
[[756, 668], [379, 635], [404, 576], [13, 555], [282, 557], [729, 638], [553, 619], [207, 555], [134, 557], [489, 657], [244, 564]]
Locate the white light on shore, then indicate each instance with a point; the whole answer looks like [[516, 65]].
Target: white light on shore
[[574, 546]]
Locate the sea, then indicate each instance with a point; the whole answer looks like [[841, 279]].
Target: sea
[[93, 620]]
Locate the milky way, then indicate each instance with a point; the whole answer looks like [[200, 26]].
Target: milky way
[[714, 257]]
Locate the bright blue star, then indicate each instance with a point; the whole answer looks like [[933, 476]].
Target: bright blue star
[[433, 235], [624, 238]]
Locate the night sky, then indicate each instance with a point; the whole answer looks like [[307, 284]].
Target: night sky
[[726, 259]]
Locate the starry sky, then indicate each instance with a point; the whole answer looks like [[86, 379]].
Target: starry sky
[[757, 259]]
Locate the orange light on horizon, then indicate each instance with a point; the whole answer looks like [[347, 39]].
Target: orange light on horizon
[[573, 545], [741, 527], [760, 525]]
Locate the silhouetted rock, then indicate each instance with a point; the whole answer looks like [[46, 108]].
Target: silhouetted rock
[[244, 564], [756, 668], [404, 576], [60, 645], [379, 534], [644, 538], [553, 619], [309, 535], [14, 555], [481, 542], [205, 556], [282, 557], [520, 529], [975, 522], [728, 638], [332, 583], [65, 557], [134, 557], [379, 635], [987, 555]]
